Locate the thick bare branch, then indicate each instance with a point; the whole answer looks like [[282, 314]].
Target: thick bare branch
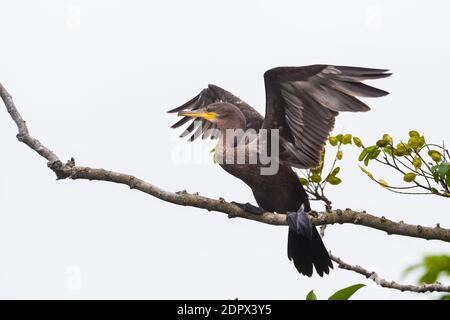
[[372, 275], [184, 198], [23, 134], [383, 224], [71, 171]]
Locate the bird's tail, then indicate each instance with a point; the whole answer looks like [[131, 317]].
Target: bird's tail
[[307, 253]]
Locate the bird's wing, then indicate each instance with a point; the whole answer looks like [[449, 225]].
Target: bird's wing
[[204, 98], [302, 102]]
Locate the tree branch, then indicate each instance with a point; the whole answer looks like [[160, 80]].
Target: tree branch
[[372, 275], [71, 171], [24, 135]]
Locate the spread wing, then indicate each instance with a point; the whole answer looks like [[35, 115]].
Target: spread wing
[[303, 102], [204, 98]]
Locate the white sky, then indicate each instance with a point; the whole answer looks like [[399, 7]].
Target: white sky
[[94, 79]]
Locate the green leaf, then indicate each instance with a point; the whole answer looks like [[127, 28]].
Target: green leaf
[[414, 133], [346, 293], [441, 171], [434, 172], [333, 141], [214, 156], [387, 138], [445, 297], [435, 155], [417, 162], [401, 150], [443, 168], [374, 154], [389, 151], [303, 181], [311, 295], [334, 180], [429, 277], [447, 178], [383, 183], [318, 170], [366, 161], [433, 266], [363, 154], [382, 143], [372, 148], [316, 178], [357, 141], [409, 177], [347, 138], [335, 171], [339, 155], [370, 175], [416, 142]]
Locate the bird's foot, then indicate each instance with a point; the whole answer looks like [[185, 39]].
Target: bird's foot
[[249, 208], [300, 223]]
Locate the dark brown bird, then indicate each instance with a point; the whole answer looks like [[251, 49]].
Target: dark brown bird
[[302, 103]]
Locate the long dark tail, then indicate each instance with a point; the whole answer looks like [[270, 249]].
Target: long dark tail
[[305, 253]]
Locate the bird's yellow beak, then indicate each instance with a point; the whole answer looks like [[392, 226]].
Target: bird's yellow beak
[[199, 114]]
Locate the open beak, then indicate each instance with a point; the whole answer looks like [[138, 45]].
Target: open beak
[[201, 113]]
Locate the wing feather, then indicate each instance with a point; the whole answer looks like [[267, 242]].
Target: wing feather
[[303, 103]]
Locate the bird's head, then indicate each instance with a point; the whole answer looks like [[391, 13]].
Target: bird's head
[[224, 115]]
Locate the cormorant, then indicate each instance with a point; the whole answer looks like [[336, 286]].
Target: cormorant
[[302, 103]]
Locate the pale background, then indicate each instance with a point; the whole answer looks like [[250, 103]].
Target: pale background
[[94, 79]]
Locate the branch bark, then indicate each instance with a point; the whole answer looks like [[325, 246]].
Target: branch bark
[[372, 275], [70, 170]]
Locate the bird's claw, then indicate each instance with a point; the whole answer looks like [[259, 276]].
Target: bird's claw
[[300, 223], [248, 207]]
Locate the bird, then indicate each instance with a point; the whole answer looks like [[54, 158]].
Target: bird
[[302, 104]]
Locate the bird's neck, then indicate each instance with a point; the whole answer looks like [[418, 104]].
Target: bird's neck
[[228, 138], [232, 134]]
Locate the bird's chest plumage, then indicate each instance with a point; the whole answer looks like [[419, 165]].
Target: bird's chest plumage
[[279, 192], [236, 161]]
